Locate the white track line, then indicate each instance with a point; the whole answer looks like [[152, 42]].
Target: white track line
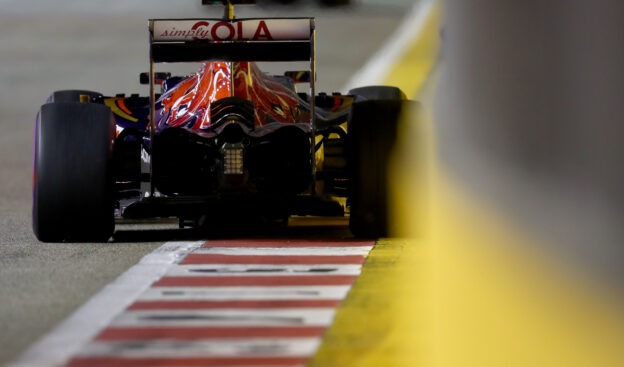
[[70, 336], [377, 68]]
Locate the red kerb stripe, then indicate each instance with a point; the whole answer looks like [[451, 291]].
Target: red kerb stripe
[[220, 332]]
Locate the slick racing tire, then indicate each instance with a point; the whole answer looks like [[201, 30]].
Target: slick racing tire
[[379, 92], [372, 131], [71, 95], [73, 178]]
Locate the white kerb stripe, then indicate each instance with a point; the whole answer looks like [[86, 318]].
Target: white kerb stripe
[[226, 317], [287, 251], [260, 270], [334, 292]]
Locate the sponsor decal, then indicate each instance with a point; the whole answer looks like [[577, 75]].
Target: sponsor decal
[[118, 107], [243, 30], [219, 31]]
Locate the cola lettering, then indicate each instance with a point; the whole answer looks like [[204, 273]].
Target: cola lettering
[[220, 31]]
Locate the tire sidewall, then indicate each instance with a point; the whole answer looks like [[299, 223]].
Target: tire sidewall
[[73, 181]]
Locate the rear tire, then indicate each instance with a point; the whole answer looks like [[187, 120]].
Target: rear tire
[[73, 177], [372, 132]]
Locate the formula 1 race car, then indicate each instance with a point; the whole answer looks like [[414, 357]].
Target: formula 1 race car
[[229, 142]]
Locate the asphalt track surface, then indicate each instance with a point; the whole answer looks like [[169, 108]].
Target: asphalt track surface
[[74, 44]]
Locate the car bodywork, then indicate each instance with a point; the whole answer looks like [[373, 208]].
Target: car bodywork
[[230, 132], [227, 142]]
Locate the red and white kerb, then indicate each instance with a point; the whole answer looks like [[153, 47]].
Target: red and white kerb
[[236, 303]]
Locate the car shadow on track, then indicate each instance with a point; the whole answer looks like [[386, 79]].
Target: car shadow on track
[[298, 228]]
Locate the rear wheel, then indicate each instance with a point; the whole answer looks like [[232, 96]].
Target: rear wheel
[[73, 180], [372, 130]]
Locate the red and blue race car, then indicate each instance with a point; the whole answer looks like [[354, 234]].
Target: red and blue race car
[[229, 142]]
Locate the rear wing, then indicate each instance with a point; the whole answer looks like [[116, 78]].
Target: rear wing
[[195, 40]]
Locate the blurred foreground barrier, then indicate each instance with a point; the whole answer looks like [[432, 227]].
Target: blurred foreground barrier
[[513, 249]]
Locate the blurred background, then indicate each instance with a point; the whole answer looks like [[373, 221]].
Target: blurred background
[[529, 113]]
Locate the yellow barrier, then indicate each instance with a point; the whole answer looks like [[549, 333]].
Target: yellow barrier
[[467, 289]]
